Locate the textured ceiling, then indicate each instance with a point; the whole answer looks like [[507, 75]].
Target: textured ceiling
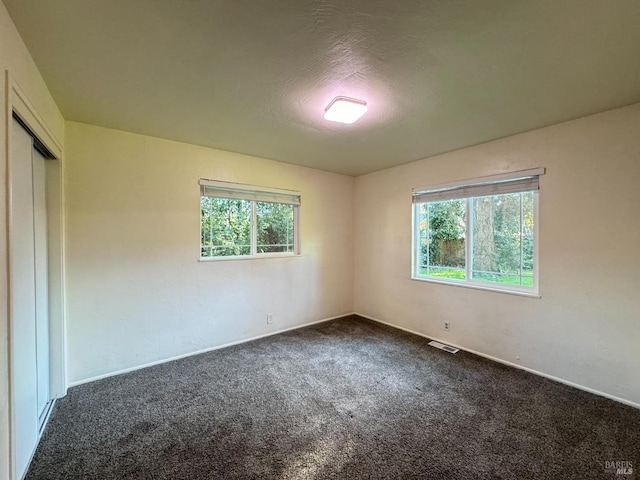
[[255, 76]]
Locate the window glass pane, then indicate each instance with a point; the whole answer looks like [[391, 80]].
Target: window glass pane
[[225, 227], [274, 227], [503, 239], [441, 250]]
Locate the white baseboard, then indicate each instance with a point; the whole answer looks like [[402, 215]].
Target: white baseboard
[[204, 350], [514, 365], [480, 354]]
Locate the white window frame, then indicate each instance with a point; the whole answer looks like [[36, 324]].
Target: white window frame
[[513, 182], [253, 194]]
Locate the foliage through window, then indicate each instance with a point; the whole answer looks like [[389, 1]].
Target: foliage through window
[[480, 233], [242, 221]]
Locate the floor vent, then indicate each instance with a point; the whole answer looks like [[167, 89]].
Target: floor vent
[[442, 346]]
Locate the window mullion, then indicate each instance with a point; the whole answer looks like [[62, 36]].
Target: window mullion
[[418, 219], [536, 241], [254, 228], [211, 231], [296, 230], [521, 233], [420, 260], [427, 237], [427, 234], [468, 251]]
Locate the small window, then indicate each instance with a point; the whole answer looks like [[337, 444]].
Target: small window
[[246, 221], [480, 233]]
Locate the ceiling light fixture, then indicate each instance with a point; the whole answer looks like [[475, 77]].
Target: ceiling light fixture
[[345, 110]]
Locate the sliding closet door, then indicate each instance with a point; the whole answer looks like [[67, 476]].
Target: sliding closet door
[[29, 298], [23, 299], [41, 282]]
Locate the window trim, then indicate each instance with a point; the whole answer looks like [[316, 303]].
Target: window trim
[[253, 194], [465, 187]]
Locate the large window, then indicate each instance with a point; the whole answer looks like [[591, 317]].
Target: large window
[[479, 233], [243, 221]]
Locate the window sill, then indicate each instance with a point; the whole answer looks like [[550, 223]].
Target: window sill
[[249, 257], [477, 286]]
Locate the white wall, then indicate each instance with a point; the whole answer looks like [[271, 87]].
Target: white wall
[[136, 292], [15, 58], [586, 327]]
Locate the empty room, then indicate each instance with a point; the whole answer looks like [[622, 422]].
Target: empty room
[[320, 239]]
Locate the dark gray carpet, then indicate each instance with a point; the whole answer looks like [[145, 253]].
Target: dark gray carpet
[[343, 399]]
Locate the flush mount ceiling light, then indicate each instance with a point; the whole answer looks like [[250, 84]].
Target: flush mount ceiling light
[[345, 110]]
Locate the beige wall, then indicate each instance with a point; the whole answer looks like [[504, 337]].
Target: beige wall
[[586, 327], [15, 58], [136, 292]]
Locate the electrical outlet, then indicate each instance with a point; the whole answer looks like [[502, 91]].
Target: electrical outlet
[[270, 318], [447, 326]]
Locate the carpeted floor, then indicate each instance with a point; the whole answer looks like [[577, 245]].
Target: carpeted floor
[[343, 399]]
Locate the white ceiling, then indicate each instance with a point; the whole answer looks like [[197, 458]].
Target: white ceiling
[[255, 76]]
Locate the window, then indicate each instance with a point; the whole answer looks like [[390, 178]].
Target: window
[[245, 221], [480, 233]]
